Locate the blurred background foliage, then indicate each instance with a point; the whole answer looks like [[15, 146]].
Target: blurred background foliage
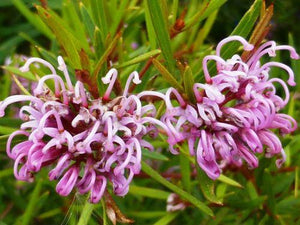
[[165, 41]]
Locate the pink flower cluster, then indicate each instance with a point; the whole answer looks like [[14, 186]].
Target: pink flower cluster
[[88, 141], [236, 111]]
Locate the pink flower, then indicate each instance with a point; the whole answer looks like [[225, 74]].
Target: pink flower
[[236, 112], [71, 132]]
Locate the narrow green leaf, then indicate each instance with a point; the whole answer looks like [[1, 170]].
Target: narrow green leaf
[[190, 198], [296, 182], [75, 22], [295, 65], [140, 58], [204, 31], [48, 56], [98, 43], [87, 21], [86, 213], [148, 192], [118, 17], [104, 217], [150, 28], [49, 214], [229, 181], [174, 11], [154, 155], [167, 75], [6, 172], [5, 85], [207, 186], [204, 13], [98, 11], [32, 18], [185, 170], [14, 70], [188, 81], [161, 31], [146, 214], [243, 28], [289, 205], [31, 208], [66, 39], [6, 129], [105, 55], [169, 217]]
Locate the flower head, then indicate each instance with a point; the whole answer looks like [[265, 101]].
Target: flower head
[[87, 142], [236, 111]]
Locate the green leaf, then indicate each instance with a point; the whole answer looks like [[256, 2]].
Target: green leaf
[[154, 155], [105, 55], [169, 217], [14, 70], [190, 198], [118, 17], [188, 81], [229, 181], [290, 205], [161, 31], [65, 38], [167, 75], [87, 21], [32, 18], [295, 64], [206, 11], [6, 172], [6, 129], [86, 213], [149, 192], [5, 84], [146, 214], [207, 186], [150, 28], [75, 22], [185, 170], [243, 28], [31, 208], [98, 12], [140, 58]]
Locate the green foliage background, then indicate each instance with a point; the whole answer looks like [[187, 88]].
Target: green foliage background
[[130, 34]]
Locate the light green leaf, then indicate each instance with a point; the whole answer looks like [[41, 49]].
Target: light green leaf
[[188, 197], [185, 170], [229, 181], [206, 11], [65, 38], [98, 12], [14, 70], [169, 217], [243, 28], [140, 58], [6, 172], [207, 186], [188, 81], [86, 213], [87, 21], [148, 192], [31, 208], [32, 18], [154, 155], [167, 75], [162, 32]]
